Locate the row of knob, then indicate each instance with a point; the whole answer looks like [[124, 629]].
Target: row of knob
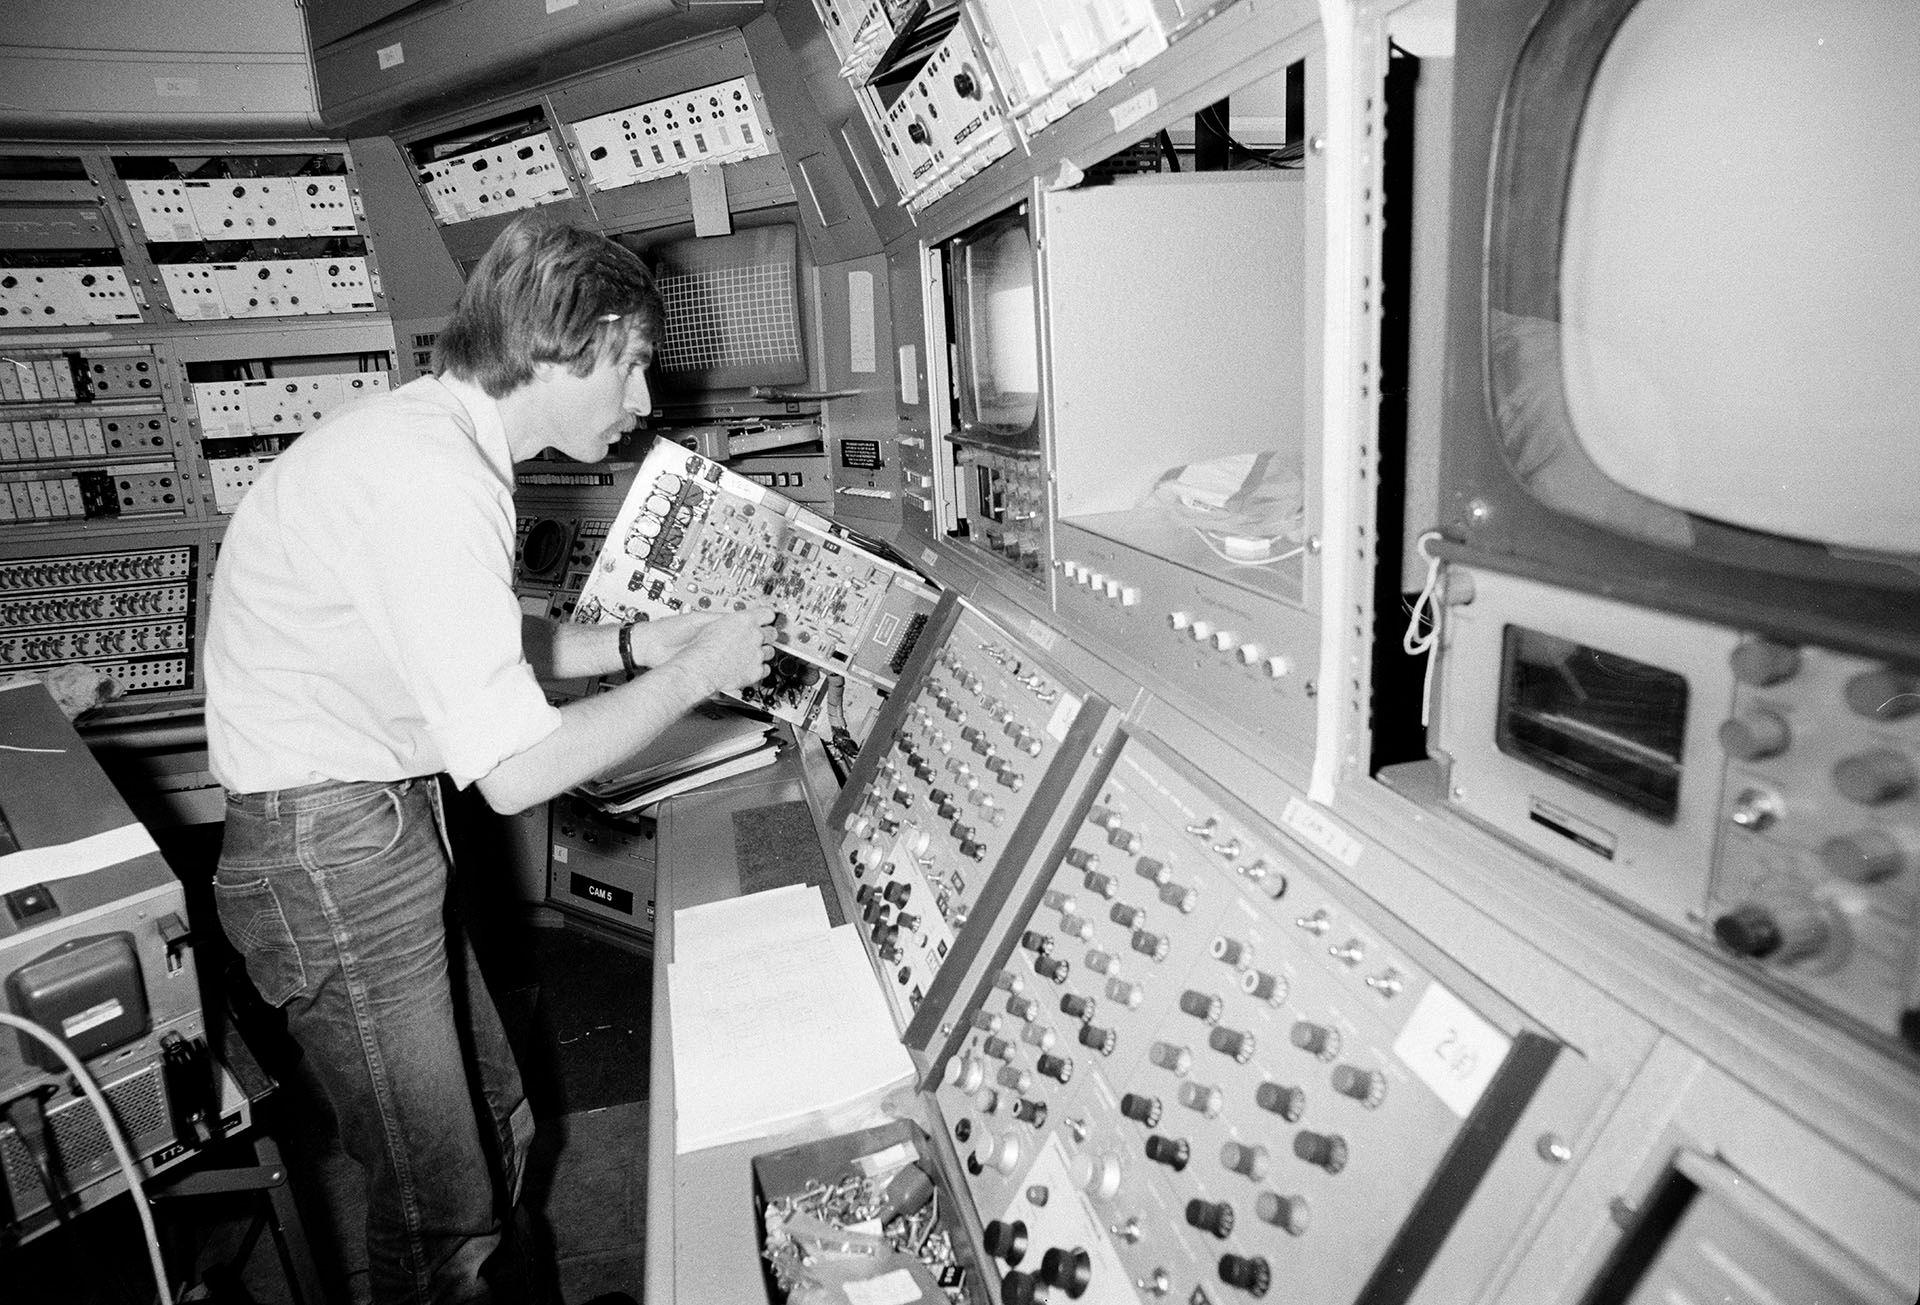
[[118, 569], [66, 608]]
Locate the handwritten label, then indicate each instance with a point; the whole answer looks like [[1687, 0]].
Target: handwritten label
[[555, 6], [1452, 1049], [170, 87], [1130, 111], [1303, 819], [1063, 713], [390, 56]]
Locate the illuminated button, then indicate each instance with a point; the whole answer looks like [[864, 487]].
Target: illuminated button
[[1327, 1151], [1755, 735], [1200, 1097], [1884, 695], [1173, 1059], [1315, 1039], [1367, 1086], [1141, 1109], [1759, 662], [1287, 1102], [1287, 1212], [1875, 778]]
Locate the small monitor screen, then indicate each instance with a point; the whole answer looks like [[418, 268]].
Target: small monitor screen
[[732, 311], [1739, 333], [995, 310], [1607, 723]]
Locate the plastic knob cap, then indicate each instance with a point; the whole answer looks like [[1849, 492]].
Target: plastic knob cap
[[1201, 1005], [1755, 736], [1884, 695], [1761, 663], [1019, 1288], [1867, 856], [1328, 1151], [1098, 1039], [1290, 1213], [1287, 1102], [1242, 1158], [1169, 1151], [1249, 1273], [1215, 1217], [1069, 1270], [1141, 1109], [1232, 1042], [1006, 1241]]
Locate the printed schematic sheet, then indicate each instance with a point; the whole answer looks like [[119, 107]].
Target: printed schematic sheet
[[695, 537]]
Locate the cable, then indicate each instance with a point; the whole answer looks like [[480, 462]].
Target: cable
[[1231, 560], [1422, 634], [120, 1149]]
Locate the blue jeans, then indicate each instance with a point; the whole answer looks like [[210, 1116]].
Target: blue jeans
[[335, 895]]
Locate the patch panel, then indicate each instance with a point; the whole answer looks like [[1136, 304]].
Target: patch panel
[[58, 438], [232, 478], [278, 288], [661, 138], [27, 377], [522, 173], [130, 613], [66, 296]]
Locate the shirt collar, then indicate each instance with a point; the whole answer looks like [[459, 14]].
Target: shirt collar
[[488, 430]]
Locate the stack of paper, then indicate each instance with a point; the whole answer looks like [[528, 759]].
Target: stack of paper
[[777, 1020], [709, 743]]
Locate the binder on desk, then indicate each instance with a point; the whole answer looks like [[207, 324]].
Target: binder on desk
[[777, 1021]]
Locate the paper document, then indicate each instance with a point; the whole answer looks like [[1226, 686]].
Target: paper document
[[755, 921], [766, 1039]]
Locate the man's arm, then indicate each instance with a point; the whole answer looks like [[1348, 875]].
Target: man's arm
[[725, 654], [565, 650]]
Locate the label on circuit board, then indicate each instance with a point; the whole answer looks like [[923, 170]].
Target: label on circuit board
[[695, 537]]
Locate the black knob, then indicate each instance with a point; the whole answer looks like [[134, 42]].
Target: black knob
[[1099, 1039], [1141, 1109], [1172, 1152], [1748, 931], [1034, 940], [1215, 1217], [1232, 1042], [916, 132], [1058, 1068], [1030, 1112], [1201, 1005], [898, 892], [1081, 1008], [1070, 1271], [1249, 1273], [1018, 1288], [965, 86], [1006, 1241], [1053, 967]]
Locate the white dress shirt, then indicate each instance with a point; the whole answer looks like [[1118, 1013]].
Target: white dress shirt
[[363, 622]]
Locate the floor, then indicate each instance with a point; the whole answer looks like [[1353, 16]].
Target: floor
[[576, 1003]]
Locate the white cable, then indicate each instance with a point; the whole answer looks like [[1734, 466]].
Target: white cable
[[1418, 641], [51, 752], [120, 1149], [1231, 560]]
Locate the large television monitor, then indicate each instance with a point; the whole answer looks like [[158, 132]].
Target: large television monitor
[[1684, 339]]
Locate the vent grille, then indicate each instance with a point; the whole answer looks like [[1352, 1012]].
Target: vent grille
[[139, 1104]]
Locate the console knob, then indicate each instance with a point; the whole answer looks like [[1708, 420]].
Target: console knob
[[1249, 1273], [1782, 933], [1884, 695], [1232, 1042], [1152, 869], [1058, 1068], [1289, 1212], [1287, 1102], [1327, 1150], [1316, 1038], [1097, 1038], [1866, 856], [1875, 778], [1262, 986], [1098, 1176], [917, 132], [1099, 885], [965, 86], [1081, 859], [1126, 994], [1367, 1086], [1169, 1151], [1198, 1096], [1201, 1005], [1755, 735], [1150, 944], [1760, 662], [1215, 1217], [1017, 1288], [1006, 1241], [1141, 1109], [1176, 1060], [1081, 1008], [1069, 1270], [1053, 967], [1244, 1159]]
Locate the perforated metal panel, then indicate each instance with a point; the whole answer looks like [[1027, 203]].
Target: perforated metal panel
[[139, 1104]]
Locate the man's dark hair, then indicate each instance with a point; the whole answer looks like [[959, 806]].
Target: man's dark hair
[[547, 291]]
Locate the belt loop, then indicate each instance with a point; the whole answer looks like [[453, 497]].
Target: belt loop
[[272, 805], [439, 813]]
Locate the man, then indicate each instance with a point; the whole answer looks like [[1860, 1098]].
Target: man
[[364, 637]]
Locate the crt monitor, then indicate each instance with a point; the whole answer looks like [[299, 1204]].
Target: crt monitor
[[1684, 353]]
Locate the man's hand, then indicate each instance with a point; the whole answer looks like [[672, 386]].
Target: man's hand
[[726, 652], [660, 640]]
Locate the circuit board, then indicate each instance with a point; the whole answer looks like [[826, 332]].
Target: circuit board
[[695, 537]]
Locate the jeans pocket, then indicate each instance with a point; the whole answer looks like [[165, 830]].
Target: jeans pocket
[[257, 927], [352, 833]]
